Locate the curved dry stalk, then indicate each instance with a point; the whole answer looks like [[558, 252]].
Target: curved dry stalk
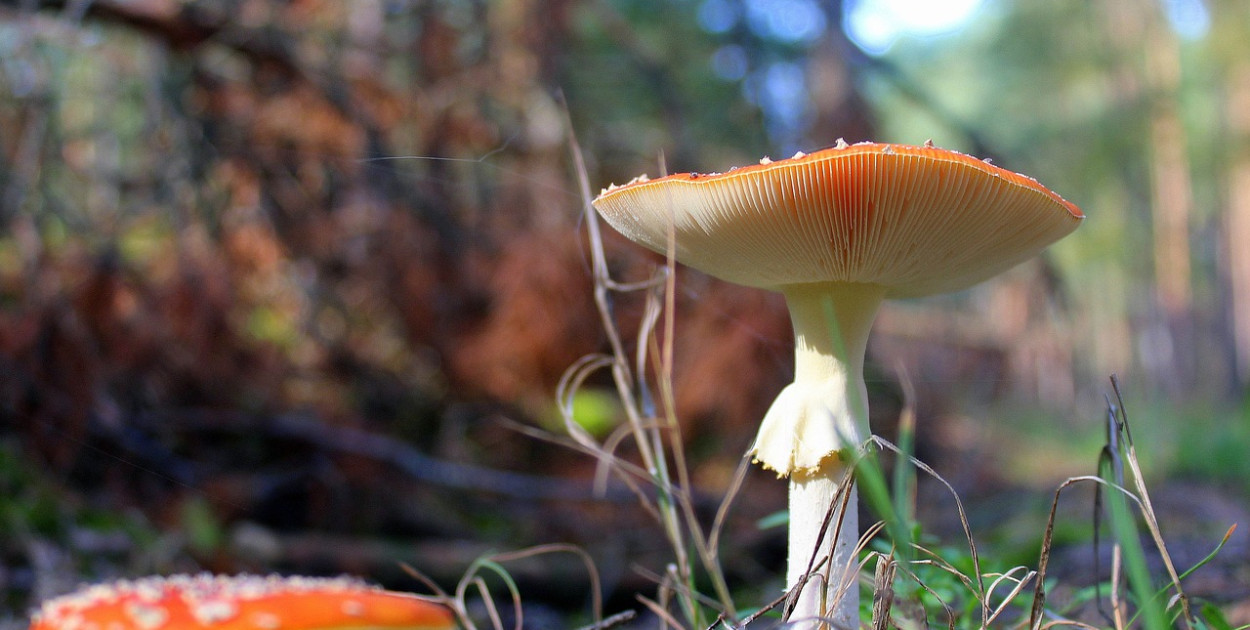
[[1039, 590], [613, 442], [668, 583], [493, 612], [906, 570], [596, 597], [454, 603], [704, 547], [941, 563], [566, 390], [722, 511], [679, 506], [959, 504], [603, 286], [612, 621], [1039, 593], [883, 591], [1148, 513], [708, 546], [425, 580], [473, 580], [950, 612], [1069, 622], [622, 467], [673, 507], [660, 611], [570, 382], [989, 612], [649, 444], [1011, 595], [651, 311]]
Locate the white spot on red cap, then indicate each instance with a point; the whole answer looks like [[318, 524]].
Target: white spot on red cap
[[146, 616], [213, 611], [353, 608], [268, 621]]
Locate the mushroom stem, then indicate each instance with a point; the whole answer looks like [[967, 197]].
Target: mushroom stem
[[833, 594], [827, 405]]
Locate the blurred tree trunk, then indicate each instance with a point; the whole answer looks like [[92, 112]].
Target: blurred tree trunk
[[1238, 113], [1171, 201], [1171, 191], [838, 109], [1150, 57]]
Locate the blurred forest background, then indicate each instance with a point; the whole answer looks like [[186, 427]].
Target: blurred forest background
[[279, 279]]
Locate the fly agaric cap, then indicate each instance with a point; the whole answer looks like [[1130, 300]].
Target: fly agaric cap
[[917, 220], [244, 602]]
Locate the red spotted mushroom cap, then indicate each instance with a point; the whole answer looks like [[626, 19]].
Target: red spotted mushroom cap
[[245, 602], [917, 220]]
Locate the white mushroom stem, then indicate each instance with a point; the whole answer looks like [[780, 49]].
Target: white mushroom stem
[[823, 411], [833, 593]]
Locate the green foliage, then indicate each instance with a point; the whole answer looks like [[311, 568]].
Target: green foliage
[[639, 78], [1212, 446], [933, 580], [36, 510], [596, 410], [201, 526], [1125, 532], [28, 503]]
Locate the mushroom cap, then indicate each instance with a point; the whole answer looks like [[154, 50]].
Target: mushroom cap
[[917, 220], [245, 602]]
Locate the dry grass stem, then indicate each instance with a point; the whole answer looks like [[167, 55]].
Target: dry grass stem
[[592, 572], [1019, 584], [1119, 620], [883, 591], [959, 504], [492, 611], [653, 431], [474, 582], [619, 619], [1069, 623], [1147, 509], [660, 610]]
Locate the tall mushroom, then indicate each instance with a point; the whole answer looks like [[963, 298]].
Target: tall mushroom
[[246, 602], [836, 232]]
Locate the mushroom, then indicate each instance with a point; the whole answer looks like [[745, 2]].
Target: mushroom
[[245, 602], [836, 232]]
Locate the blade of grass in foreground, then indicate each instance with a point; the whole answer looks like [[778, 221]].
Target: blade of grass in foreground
[[1124, 529], [1123, 525]]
